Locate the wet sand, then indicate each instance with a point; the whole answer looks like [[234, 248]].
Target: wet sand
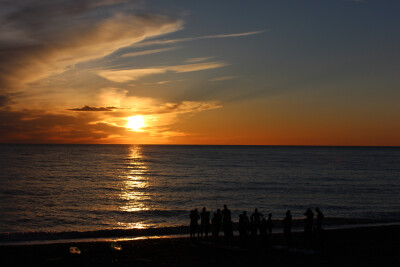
[[367, 246]]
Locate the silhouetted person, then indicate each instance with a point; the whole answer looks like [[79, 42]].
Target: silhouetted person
[[253, 227], [243, 227], [226, 215], [227, 223], [308, 223], [216, 224], [320, 233], [205, 222], [320, 218], [246, 222], [269, 225], [194, 224], [263, 230], [287, 227], [257, 218]]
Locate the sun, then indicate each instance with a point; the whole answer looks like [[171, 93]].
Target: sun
[[135, 123]]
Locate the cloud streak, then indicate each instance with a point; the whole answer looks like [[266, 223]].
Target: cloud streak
[[89, 108], [223, 78], [121, 76], [188, 39], [181, 107], [198, 59], [148, 52]]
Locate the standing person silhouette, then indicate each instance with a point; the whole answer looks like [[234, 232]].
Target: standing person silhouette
[[263, 230], [309, 220], [227, 223], [253, 227], [308, 223], [194, 224], [257, 218], [287, 227], [269, 225], [204, 222], [243, 227], [320, 218], [246, 222], [216, 224], [191, 226], [319, 232]]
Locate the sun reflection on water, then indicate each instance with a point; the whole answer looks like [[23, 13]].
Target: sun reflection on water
[[134, 184], [136, 225]]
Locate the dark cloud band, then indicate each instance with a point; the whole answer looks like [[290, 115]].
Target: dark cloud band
[[89, 108]]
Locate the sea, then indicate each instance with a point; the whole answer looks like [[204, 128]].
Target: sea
[[74, 191]]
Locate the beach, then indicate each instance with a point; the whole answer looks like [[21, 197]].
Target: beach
[[364, 246]]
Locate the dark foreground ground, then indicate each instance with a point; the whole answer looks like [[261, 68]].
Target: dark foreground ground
[[372, 246]]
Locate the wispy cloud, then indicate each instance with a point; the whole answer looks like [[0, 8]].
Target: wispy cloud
[[197, 67], [124, 104], [230, 35], [122, 76], [197, 59], [148, 52], [223, 78], [165, 82], [182, 107], [188, 39]]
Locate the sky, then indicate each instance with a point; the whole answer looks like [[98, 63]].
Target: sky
[[226, 72]]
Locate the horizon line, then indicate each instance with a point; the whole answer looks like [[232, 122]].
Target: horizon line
[[109, 144]]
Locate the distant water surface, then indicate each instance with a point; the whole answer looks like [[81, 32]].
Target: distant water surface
[[54, 188]]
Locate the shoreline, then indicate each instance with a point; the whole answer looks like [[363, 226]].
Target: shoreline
[[366, 246], [116, 235]]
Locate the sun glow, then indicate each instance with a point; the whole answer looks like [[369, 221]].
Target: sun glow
[[136, 123]]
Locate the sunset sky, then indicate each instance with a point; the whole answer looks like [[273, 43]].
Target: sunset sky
[[272, 72]]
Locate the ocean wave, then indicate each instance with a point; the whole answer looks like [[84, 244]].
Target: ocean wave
[[152, 213], [29, 236]]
